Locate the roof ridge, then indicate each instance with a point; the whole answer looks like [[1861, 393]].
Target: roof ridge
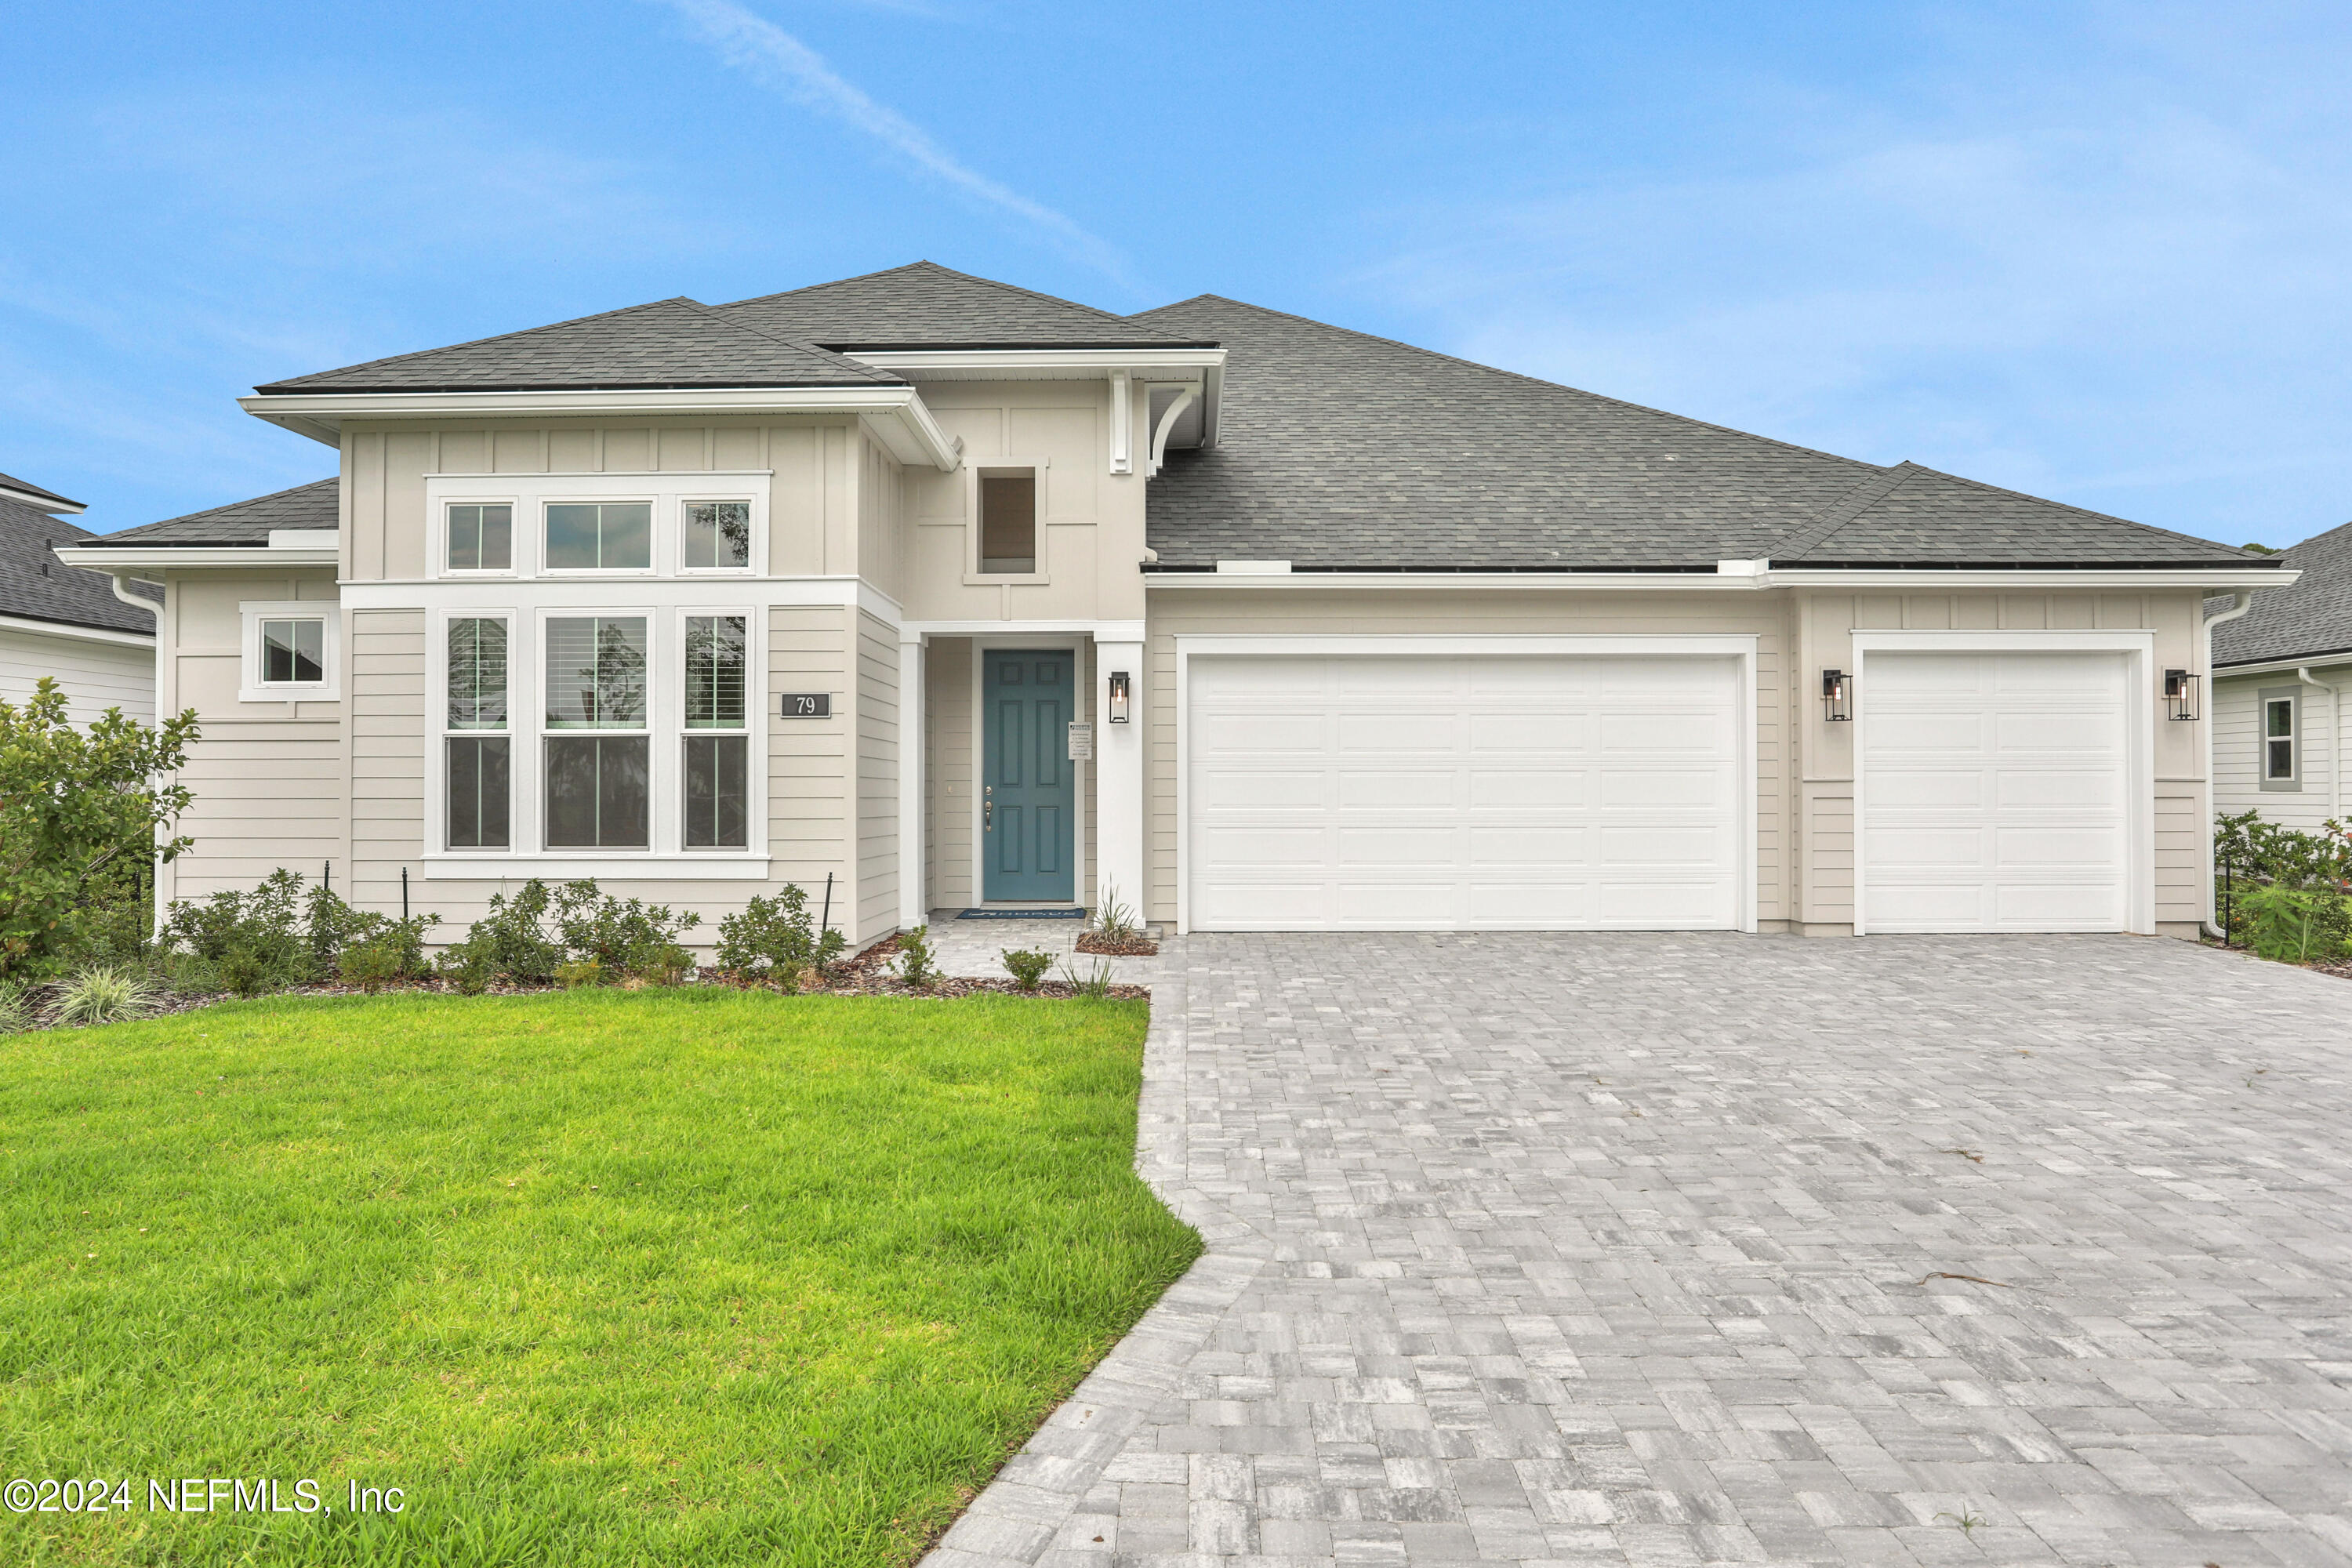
[[1517, 375], [928, 265], [492, 338], [1865, 493]]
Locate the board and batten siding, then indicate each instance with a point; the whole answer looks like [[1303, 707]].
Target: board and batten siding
[[391, 741], [96, 675], [267, 777], [949, 750], [2321, 753]]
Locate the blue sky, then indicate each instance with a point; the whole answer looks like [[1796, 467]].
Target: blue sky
[[2098, 252]]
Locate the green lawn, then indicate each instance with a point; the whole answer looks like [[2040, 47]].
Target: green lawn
[[596, 1278]]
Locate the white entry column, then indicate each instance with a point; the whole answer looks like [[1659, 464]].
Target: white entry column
[[1118, 771], [912, 849]]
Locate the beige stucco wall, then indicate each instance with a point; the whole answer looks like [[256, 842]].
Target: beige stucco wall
[[1804, 766], [95, 676], [2325, 751]]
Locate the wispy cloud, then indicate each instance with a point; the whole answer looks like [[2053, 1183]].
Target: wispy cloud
[[776, 60]]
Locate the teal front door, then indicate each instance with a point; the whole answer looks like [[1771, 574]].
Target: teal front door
[[1027, 791]]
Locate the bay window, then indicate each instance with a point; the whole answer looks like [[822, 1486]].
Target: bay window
[[478, 760], [598, 784]]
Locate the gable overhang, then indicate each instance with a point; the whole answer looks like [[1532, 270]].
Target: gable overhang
[[2318, 660], [895, 415], [79, 631]]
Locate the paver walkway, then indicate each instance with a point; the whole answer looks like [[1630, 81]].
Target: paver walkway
[[1653, 1249]]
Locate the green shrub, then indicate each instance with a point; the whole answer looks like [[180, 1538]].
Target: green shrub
[[467, 967], [105, 993], [575, 974], [370, 965], [2297, 925], [277, 936], [77, 807], [248, 974], [917, 964], [509, 940], [668, 965], [1027, 967], [625, 936], [2266, 852], [774, 939]]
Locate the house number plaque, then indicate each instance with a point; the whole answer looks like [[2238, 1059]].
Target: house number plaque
[[808, 704]]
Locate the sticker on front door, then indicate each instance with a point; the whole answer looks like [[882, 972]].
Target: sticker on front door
[[1027, 794]]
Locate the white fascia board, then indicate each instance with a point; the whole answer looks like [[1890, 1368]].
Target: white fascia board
[[321, 414], [837, 591], [2331, 659], [79, 633], [1076, 365], [1101, 631], [2142, 579], [53, 505], [162, 558]]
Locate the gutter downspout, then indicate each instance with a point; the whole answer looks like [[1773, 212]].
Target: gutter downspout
[[2239, 604], [2335, 738]]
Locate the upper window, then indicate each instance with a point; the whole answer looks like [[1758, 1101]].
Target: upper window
[[600, 536], [294, 652], [481, 538], [715, 536], [596, 672], [1008, 523], [2279, 740]]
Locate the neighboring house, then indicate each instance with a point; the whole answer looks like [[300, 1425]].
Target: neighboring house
[[62, 621], [697, 600], [2281, 674]]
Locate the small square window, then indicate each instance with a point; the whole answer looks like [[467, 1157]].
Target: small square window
[[716, 535], [293, 653], [600, 536], [1008, 523], [481, 538]]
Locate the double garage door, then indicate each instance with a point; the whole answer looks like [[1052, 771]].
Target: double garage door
[[1495, 791]]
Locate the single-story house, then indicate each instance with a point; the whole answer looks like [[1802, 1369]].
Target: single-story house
[[963, 596], [2282, 667], [95, 633]]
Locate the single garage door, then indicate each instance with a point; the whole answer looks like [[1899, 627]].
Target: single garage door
[[1463, 791], [1994, 791]]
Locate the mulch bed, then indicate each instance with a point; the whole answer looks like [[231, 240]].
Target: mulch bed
[[1117, 947]]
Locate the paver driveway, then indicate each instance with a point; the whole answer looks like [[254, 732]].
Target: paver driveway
[[1655, 1249]]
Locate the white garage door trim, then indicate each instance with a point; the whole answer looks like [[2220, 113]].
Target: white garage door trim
[[2138, 648], [1211, 645]]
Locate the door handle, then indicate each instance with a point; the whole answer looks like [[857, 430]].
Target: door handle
[[988, 816]]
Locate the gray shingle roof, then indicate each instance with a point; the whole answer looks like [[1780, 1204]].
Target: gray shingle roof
[[2308, 617], [34, 495], [925, 305], [667, 343], [239, 523], [36, 586], [1339, 450]]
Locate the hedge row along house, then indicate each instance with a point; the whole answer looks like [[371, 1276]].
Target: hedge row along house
[[967, 597]]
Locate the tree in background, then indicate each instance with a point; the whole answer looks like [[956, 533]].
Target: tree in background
[[78, 808]]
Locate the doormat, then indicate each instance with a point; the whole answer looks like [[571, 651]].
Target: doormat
[[1023, 915]]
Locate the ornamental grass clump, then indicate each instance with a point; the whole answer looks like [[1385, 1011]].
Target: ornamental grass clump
[[105, 993]]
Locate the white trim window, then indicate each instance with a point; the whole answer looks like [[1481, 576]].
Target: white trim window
[[292, 651], [2281, 763], [478, 744], [598, 767], [1005, 540], [718, 764], [479, 538], [598, 536], [714, 536]]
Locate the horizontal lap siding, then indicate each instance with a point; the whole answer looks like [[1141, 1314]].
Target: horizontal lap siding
[[2238, 747], [95, 676], [877, 778]]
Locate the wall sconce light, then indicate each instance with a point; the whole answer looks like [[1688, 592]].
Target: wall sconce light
[[1118, 684], [1837, 696], [2179, 695]]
